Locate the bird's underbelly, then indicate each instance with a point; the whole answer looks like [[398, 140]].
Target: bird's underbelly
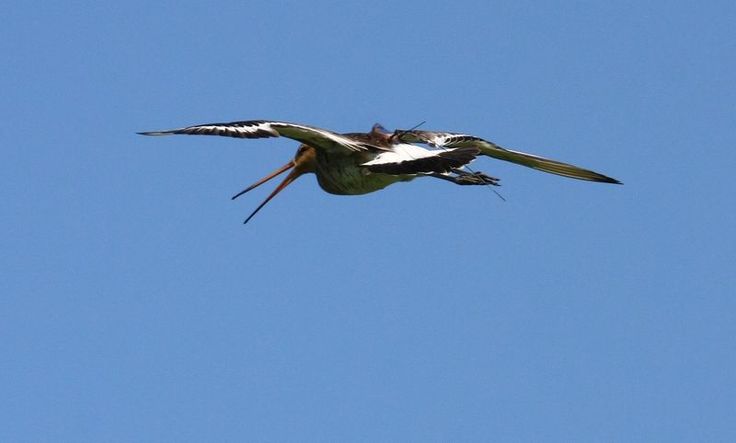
[[354, 180]]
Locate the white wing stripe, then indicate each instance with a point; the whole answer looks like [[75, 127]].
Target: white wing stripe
[[401, 152], [337, 138]]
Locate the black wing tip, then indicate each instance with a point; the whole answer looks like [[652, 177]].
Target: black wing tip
[[156, 133], [604, 179]]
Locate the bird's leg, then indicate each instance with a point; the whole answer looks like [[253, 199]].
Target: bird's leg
[[467, 178]]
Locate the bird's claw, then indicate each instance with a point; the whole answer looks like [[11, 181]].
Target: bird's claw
[[476, 178]]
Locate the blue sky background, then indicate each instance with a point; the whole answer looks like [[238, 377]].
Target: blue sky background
[[136, 307]]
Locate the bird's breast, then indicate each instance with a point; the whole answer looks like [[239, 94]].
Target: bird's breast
[[342, 175]]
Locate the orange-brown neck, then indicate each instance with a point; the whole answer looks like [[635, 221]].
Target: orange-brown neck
[[305, 160]]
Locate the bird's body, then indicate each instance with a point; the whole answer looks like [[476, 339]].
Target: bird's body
[[341, 173], [360, 163]]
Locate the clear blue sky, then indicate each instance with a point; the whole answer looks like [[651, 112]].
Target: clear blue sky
[[135, 306]]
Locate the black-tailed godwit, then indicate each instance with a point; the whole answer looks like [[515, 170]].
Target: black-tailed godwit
[[359, 163]]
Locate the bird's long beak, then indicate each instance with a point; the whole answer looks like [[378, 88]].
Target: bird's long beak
[[289, 178], [275, 173]]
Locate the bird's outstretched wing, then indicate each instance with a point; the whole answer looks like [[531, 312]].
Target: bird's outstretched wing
[[452, 140], [309, 135]]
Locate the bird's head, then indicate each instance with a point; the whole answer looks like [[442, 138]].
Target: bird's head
[[305, 161], [378, 129]]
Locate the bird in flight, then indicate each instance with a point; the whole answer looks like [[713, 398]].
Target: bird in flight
[[359, 163]]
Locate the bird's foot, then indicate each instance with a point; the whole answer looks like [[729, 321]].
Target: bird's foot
[[474, 178]]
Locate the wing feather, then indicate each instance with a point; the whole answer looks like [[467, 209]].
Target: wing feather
[[490, 149], [310, 135], [424, 161]]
